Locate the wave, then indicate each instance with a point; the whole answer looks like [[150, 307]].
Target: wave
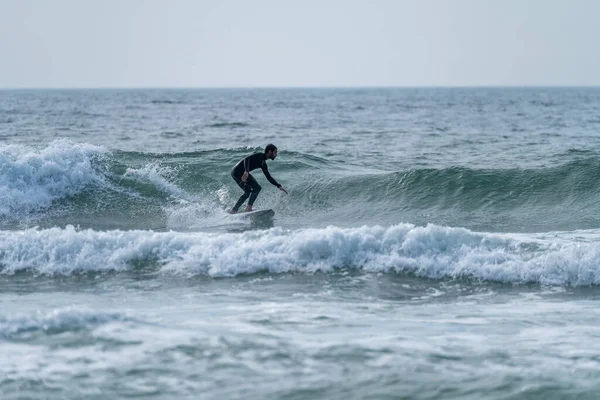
[[92, 186], [63, 168], [569, 183], [166, 101], [482, 186], [30, 179], [56, 322], [227, 125], [434, 252]]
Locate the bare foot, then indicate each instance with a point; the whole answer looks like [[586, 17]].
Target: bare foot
[[232, 212], [248, 208]]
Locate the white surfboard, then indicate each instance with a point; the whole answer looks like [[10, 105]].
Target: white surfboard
[[256, 214]]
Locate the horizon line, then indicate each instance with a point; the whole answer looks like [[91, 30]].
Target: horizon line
[[299, 87]]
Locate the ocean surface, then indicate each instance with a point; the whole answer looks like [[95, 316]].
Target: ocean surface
[[435, 244]]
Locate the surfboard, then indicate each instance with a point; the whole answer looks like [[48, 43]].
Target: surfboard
[[256, 214]]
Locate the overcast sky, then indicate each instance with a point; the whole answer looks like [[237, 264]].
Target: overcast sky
[[265, 43]]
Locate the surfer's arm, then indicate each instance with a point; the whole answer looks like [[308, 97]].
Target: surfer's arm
[[269, 177]]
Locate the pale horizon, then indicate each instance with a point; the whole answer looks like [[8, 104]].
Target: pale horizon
[[232, 44], [301, 87]]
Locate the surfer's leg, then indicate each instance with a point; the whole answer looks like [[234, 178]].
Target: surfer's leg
[[255, 187], [242, 199]]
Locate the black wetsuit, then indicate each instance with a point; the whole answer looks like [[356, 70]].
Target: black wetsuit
[[251, 187]]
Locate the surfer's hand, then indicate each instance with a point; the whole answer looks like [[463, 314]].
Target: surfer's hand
[[282, 189], [245, 176]]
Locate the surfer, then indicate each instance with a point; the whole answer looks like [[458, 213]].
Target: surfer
[[241, 175]]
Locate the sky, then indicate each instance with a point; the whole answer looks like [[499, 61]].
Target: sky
[[298, 43]]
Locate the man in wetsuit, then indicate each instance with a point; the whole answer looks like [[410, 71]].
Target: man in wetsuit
[[241, 175]]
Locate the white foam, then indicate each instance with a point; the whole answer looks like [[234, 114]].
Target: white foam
[[199, 214], [31, 179], [56, 321], [159, 176], [431, 251], [189, 211]]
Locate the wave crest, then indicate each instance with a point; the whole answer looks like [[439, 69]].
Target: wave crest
[[31, 179], [431, 251]]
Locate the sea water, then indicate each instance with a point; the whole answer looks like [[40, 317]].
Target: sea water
[[435, 244]]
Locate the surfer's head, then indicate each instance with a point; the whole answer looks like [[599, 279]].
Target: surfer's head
[[271, 151]]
